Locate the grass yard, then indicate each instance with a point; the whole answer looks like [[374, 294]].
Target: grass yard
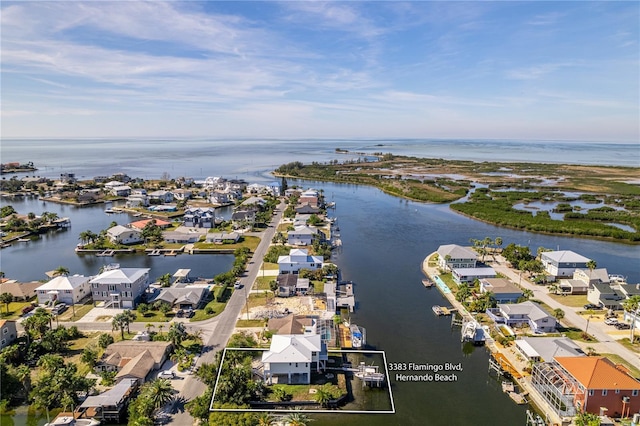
[[246, 241], [262, 283], [201, 314], [250, 323], [14, 310], [571, 300], [80, 310], [269, 266], [154, 316]]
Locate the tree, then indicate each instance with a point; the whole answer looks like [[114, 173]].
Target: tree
[[37, 324], [266, 419], [165, 280], [297, 419], [587, 419], [558, 313], [498, 242], [89, 356], [159, 392], [61, 271], [105, 340], [143, 308], [591, 264], [631, 304], [176, 333], [6, 298], [120, 321]]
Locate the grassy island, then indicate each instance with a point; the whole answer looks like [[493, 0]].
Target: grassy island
[[566, 199]]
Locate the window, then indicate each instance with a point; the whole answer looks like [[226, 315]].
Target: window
[[604, 392], [591, 392], [634, 392], [5, 330], [617, 391], [3, 342]]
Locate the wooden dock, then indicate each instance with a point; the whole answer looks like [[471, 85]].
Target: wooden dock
[[344, 337], [501, 364]]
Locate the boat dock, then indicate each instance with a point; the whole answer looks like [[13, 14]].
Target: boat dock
[[344, 337], [442, 310], [499, 363], [369, 375], [106, 253], [427, 282]]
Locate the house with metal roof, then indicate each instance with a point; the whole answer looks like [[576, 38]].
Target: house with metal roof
[[606, 296], [124, 235], [182, 297], [523, 314], [67, 289], [563, 263], [545, 349], [451, 256], [504, 291], [120, 287], [298, 259], [109, 406], [469, 275], [291, 357], [302, 236]]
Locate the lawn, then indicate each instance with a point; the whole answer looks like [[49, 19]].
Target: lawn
[[15, 310], [262, 283], [250, 323], [81, 310], [571, 300], [201, 314], [247, 241], [154, 316], [269, 266]]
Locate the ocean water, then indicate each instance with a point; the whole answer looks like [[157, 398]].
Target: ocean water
[[254, 159]]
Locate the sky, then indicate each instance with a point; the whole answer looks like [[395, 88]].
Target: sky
[[301, 69]]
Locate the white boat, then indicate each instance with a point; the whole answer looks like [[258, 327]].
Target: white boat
[[356, 336], [109, 211], [473, 332]]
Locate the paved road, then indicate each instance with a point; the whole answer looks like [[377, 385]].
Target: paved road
[[216, 331], [606, 344]]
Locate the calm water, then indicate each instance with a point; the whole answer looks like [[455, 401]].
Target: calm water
[[385, 239]]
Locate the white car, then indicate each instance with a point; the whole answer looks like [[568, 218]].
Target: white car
[[166, 374], [237, 285], [611, 321]]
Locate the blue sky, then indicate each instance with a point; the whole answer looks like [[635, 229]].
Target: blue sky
[[522, 70]]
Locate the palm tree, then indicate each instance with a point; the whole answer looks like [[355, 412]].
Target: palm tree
[[119, 322], [591, 265], [297, 419], [129, 317], [176, 333], [558, 313], [61, 271], [266, 419], [160, 392], [149, 326], [322, 397]]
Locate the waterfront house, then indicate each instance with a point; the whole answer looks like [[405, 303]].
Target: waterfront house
[[111, 405], [121, 190], [606, 296], [504, 291], [68, 289], [140, 224], [594, 276], [629, 290], [469, 275], [302, 236], [162, 196], [222, 237], [217, 197], [523, 314], [291, 285], [339, 296], [120, 287], [134, 201], [298, 259], [180, 237], [199, 217], [243, 218], [563, 263], [259, 202], [293, 324], [291, 357], [182, 194], [545, 349], [307, 209], [8, 333], [587, 384], [20, 291], [134, 359], [451, 256], [124, 235]]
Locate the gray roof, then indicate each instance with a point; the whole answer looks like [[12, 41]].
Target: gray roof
[[565, 256], [528, 308], [500, 286], [550, 347], [177, 295], [111, 398], [456, 252]]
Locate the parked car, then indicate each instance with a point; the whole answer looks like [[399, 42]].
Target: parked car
[[623, 326], [237, 285], [591, 306], [166, 374], [180, 313], [611, 321], [189, 313], [59, 308], [27, 309]]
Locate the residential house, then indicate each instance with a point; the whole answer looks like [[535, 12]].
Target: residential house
[[469, 275], [545, 349], [293, 324], [606, 296], [301, 220], [255, 201], [302, 236], [587, 384], [222, 237], [275, 187], [339, 296], [121, 177], [67, 289], [162, 196], [188, 297], [504, 291], [182, 194], [109, 406], [243, 218], [594, 276], [137, 200], [563, 263], [134, 359], [140, 224], [290, 192], [523, 314], [311, 197], [298, 259], [20, 291], [307, 209], [452, 256], [573, 286], [180, 237], [291, 357], [124, 235], [199, 217], [291, 285], [256, 188], [629, 290], [218, 197], [164, 208], [120, 287], [8, 333], [121, 190]]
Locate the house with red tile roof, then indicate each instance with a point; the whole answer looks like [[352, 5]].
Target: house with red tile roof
[[591, 384], [140, 224]]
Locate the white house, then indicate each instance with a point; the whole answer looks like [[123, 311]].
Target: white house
[[67, 289], [199, 217], [161, 195], [452, 256], [523, 314], [298, 259], [563, 263], [302, 236], [124, 235], [291, 357], [468, 275], [120, 287]]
